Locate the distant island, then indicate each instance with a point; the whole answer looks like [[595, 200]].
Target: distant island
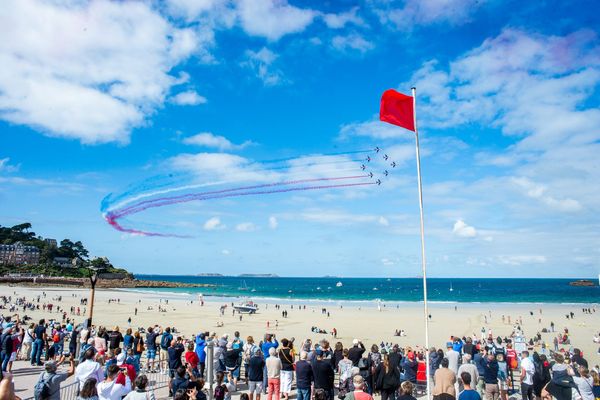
[[582, 282], [217, 275]]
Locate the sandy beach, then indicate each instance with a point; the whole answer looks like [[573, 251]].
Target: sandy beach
[[351, 321]]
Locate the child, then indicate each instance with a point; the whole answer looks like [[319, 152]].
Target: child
[[220, 388]]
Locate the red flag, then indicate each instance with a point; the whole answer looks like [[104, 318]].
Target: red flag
[[398, 109]]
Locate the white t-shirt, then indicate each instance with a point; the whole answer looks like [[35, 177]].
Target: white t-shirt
[[529, 368], [28, 337], [113, 390], [88, 369]]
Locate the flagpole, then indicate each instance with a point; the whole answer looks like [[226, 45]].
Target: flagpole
[[423, 260]]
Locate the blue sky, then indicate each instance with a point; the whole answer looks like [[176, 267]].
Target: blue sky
[[95, 96]]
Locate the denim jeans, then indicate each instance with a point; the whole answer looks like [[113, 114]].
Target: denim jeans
[[303, 394], [5, 357], [36, 351]]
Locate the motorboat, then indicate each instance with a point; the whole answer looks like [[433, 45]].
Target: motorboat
[[248, 307]]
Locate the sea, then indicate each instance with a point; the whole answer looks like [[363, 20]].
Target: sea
[[375, 290]]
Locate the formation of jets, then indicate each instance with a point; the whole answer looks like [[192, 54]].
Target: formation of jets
[[385, 172]]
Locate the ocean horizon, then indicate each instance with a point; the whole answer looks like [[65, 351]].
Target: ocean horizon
[[440, 290]]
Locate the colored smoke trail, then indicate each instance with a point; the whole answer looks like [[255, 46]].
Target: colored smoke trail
[[236, 177], [163, 201], [112, 218]]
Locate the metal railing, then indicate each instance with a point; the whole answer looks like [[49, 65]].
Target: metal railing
[[67, 392]]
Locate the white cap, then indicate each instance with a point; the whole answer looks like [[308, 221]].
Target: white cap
[[355, 341], [121, 359]]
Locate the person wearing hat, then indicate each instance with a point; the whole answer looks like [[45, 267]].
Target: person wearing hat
[[54, 378], [121, 363], [410, 367], [453, 357], [200, 351]]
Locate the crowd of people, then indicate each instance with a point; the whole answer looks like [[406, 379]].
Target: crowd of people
[[111, 364]]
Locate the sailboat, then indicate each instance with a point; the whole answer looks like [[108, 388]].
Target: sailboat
[[244, 286], [451, 288], [599, 279]]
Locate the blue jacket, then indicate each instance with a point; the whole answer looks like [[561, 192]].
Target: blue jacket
[[410, 370], [266, 346], [200, 346]]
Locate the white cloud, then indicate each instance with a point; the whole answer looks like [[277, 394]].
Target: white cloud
[[273, 223], [387, 262], [338, 217], [425, 12], [213, 224], [518, 260], [273, 19], [88, 71], [246, 227], [338, 21], [351, 42], [463, 230], [261, 63], [226, 252], [188, 98], [538, 90], [383, 221], [537, 191], [5, 165], [374, 129], [191, 9], [208, 139]]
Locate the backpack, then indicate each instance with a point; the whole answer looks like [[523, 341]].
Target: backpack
[[220, 392], [41, 390], [56, 338]]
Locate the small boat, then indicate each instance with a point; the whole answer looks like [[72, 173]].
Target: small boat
[[318, 287], [246, 307], [375, 288], [244, 286], [451, 288], [339, 284]]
